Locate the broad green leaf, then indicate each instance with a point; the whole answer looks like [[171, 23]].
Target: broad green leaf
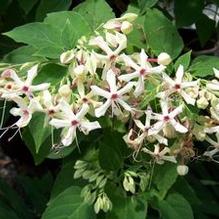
[[40, 130], [183, 60], [43, 150], [96, 12], [161, 34], [21, 55], [69, 205], [45, 36], [47, 6], [164, 177], [205, 28], [144, 4], [51, 73], [187, 12], [112, 150], [175, 206], [202, 66], [70, 25]]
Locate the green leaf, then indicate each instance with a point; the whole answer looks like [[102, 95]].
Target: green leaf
[[112, 151], [40, 130], [175, 206], [21, 55], [202, 66], [60, 31], [70, 25], [51, 73], [69, 204], [161, 34], [144, 4], [187, 12], [164, 177], [205, 28], [95, 12], [47, 6], [43, 150], [183, 60]]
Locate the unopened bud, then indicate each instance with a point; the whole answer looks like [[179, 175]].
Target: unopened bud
[[129, 17], [202, 103], [182, 170], [67, 57], [126, 27], [164, 59], [64, 90], [79, 70], [169, 131]]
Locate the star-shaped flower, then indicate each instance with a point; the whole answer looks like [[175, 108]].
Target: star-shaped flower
[[142, 70], [115, 95]]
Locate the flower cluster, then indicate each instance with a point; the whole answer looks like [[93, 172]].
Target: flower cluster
[[104, 80]]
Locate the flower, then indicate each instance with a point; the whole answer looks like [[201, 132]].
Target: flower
[[214, 84], [160, 154], [25, 110], [23, 87], [142, 70], [145, 127], [114, 96], [179, 86], [120, 41], [71, 121], [166, 118]]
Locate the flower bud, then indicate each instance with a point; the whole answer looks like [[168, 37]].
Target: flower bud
[[64, 90], [199, 133], [169, 131], [129, 17], [79, 70], [164, 59], [126, 27], [182, 170], [67, 57], [202, 103]]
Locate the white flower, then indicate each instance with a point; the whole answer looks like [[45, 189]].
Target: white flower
[[24, 87], [70, 122], [25, 110], [110, 55], [214, 144], [145, 127], [142, 70], [114, 96], [160, 155], [167, 118], [179, 86], [214, 84]]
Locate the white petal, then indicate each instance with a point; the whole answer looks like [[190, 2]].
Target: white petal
[[122, 40], [129, 62], [86, 127], [187, 98], [111, 79], [213, 85], [24, 120], [99, 91], [100, 111], [59, 123], [143, 58], [20, 102], [157, 69], [189, 84], [124, 104], [69, 136], [31, 74], [178, 127], [157, 127], [34, 106], [216, 73], [16, 79], [128, 77], [139, 87], [164, 107], [169, 80], [212, 129], [16, 111], [83, 111], [170, 158], [39, 87], [176, 111], [125, 89], [67, 109], [156, 149], [179, 74], [139, 124], [161, 139]]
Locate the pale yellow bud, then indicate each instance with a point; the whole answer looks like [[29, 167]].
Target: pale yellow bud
[[126, 27], [67, 57], [64, 90], [202, 103], [169, 131], [182, 170], [164, 59], [129, 17]]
